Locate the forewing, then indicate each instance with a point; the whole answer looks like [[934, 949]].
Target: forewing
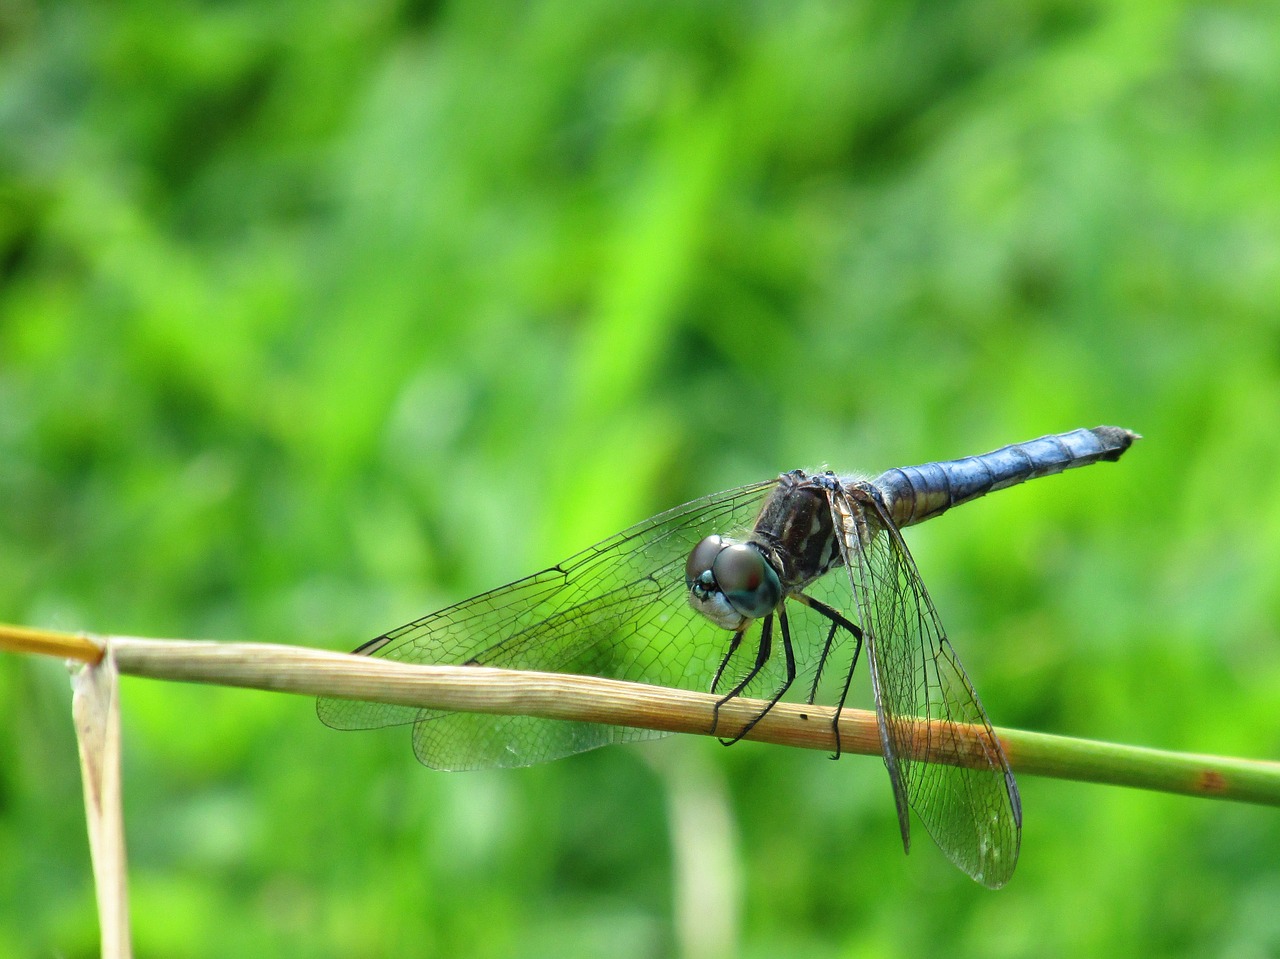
[[618, 610], [973, 814]]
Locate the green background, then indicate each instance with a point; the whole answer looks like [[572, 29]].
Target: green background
[[315, 317]]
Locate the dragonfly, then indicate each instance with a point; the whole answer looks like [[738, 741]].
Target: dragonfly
[[760, 592]]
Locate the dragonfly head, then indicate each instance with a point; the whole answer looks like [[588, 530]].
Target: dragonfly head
[[731, 583]]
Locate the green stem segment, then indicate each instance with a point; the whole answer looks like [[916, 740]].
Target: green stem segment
[[588, 698], [1191, 774]]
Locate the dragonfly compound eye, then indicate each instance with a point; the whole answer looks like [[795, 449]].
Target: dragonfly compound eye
[[747, 581], [697, 568], [731, 582]]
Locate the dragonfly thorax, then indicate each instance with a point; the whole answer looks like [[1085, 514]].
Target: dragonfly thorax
[[731, 583], [796, 527]]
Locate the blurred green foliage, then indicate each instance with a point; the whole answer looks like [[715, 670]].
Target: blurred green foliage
[[315, 317]]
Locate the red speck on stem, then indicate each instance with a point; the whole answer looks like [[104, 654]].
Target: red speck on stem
[[1211, 781]]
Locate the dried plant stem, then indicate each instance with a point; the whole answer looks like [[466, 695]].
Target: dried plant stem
[[587, 698], [95, 706]]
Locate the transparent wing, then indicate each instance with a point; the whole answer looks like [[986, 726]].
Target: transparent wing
[[973, 814], [618, 610]]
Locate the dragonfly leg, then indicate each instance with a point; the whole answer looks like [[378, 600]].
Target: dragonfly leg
[[762, 657], [822, 663], [733, 648], [788, 652], [837, 622]]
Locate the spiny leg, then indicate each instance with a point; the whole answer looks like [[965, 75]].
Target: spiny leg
[[762, 657], [733, 648], [837, 621], [822, 663], [788, 652]]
